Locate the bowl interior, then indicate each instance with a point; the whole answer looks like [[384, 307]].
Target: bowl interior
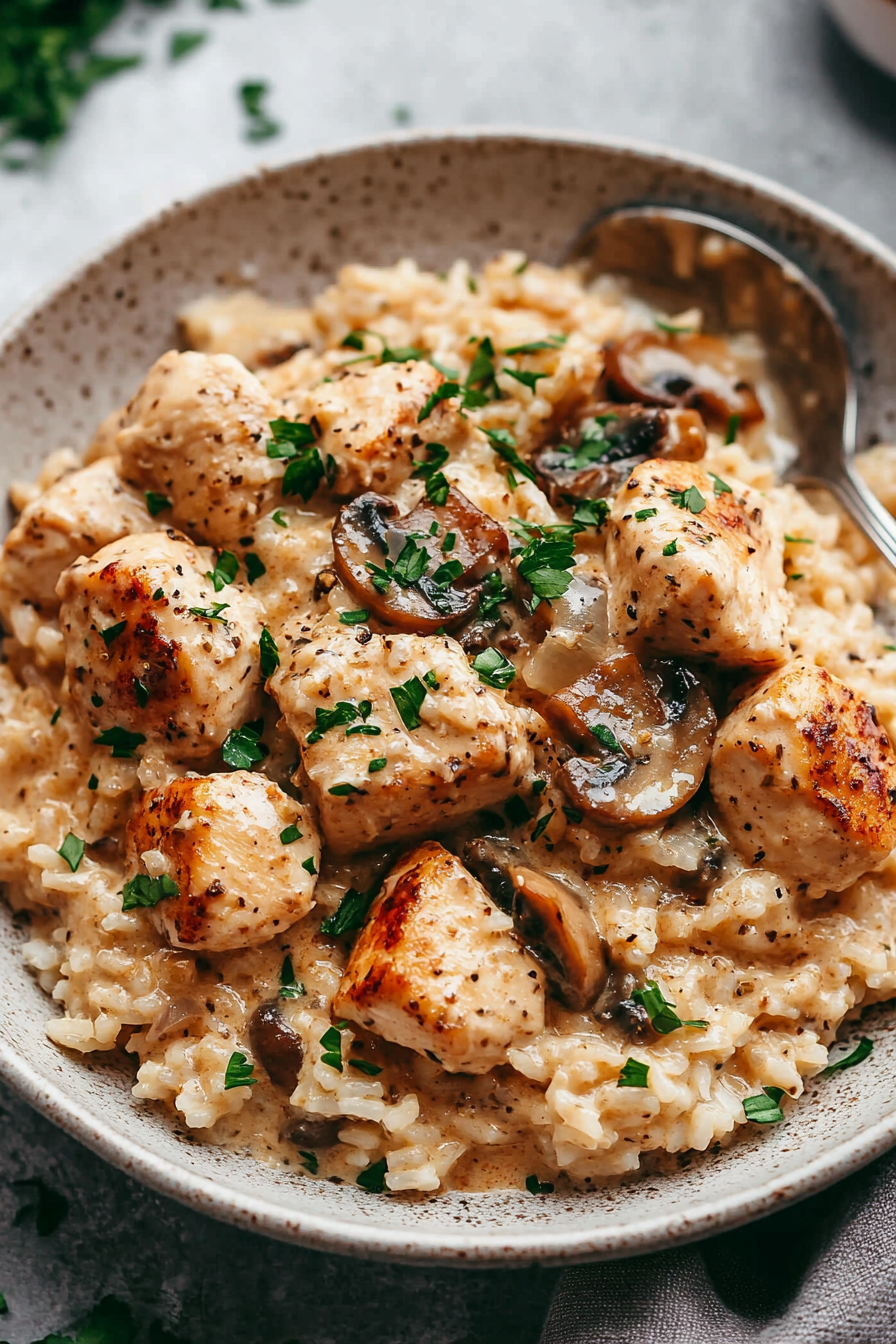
[[84, 349]]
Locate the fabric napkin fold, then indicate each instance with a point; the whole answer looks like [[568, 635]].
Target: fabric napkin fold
[[821, 1272]]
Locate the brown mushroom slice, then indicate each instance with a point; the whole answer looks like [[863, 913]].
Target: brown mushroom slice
[[276, 1045], [648, 731], [370, 536], [556, 926], [657, 369], [599, 452]]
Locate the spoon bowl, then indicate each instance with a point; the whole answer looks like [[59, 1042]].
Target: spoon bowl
[[677, 258]]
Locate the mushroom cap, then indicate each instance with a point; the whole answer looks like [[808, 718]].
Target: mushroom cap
[[660, 369]]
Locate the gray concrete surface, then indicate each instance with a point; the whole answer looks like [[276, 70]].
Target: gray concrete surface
[[765, 84]]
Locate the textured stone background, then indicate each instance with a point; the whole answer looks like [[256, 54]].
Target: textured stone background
[[765, 84]]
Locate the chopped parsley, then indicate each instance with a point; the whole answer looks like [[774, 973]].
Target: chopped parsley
[[376, 765], [122, 742], [537, 1187], [572, 814], [182, 43], [606, 737], [799, 541], [437, 485], [373, 1180], [671, 547], [763, 1109], [354, 340], [442, 393], [255, 567], [353, 617], [158, 594], [411, 565], [862, 1051], [719, 486], [211, 613], [643, 514], [96, 700], [493, 592], [343, 712], [481, 384], [290, 835], [225, 571], [309, 865], [93, 783], [243, 747], [72, 850], [269, 654], [662, 1014], [351, 913], [447, 573], [342, 790], [290, 987], [590, 513], [365, 1066], [733, 427], [332, 1044], [545, 563], [527, 379], [239, 1072], [146, 891], [449, 541], [363, 730], [671, 329], [310, 1161], [259, 125], [533, 347], [112, 632], [504, 444], [690, 499], [516, 811], [278, 518], [305, 472], [542, 824], [494, 669], [408, 698], [156, 503], [141, 693], [633, 1074], [54, 717]]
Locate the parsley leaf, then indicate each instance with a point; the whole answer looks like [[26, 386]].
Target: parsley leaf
[[310, 1161], [662, 1014], [633, 1074], [121, 741], [590, 513], [437, 486], [733, 427], [504, 444], [353, 617], [278, 518], [290, 835], [690, 499], [183, 43], [243, 747], [542, 824], [225, 571], [481, 384], [303, 474], [408, 698], [411, 565], [606, 737], [351, 913], [259, 126], [447, 573], [494, 669], [255, 567], [494, 591], [332, 1043], [288, 437], [643, 514], [141, 693], [342, 790], [156, 503], [212, 613], [442, 393], [671, 547], [537, 1187], [290, 987], [719, 486], [376, 765], [373, 1179], [324, 719], [533, 347], [308, 865], [545, 563], [239, 1072], [364, 1066], [862, 1051], [763, 1109], [112, 632], [269, 653], [72, 850], [527, 379], [146, 891]]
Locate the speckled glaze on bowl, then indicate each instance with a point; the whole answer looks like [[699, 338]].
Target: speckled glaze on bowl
[[82, 350]]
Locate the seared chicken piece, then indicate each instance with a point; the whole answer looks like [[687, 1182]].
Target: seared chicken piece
[[437, 968], [196, 434], [218, 837], [694, 568], [804, 777], [80, 512], [377, 776], [139, 657], [369, 423]]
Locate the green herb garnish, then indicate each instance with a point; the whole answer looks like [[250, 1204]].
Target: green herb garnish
[[862, 1051], [290, 835], [533, 347], [733, 427], [590, 513], [763, 1109], [309, 1161], [671, 547], [633, 1074], [442, 393], [290, 987], [542, 824], [212, 612], [141, 693], [351, 913], [537, 1187], [364, 1066], [243, 746], [529, 380], [309, 865], [122, 742], [259, 126], [225, 571], [373, 1179], [255, 567], [643, 514], [112, 632], [183, 43], [269, 654], [690, 499], [156, 503], [145, 891], [342, 790], [343, 712], [72, 850], [408, 698], [332, 1044], [376, 765], [719, 486], [662, 1014], [494, 669], [504, 444], [239, 1072], [494, 591], [354, 617]]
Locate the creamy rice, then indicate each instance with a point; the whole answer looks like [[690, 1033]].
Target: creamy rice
[[770, 966]]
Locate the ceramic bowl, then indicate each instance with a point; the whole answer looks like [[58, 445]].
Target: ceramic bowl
[[871, 27], [83, 349]]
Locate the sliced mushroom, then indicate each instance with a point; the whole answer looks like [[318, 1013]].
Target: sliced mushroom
[[616, 1005], [276, 1045], [599, 451], [659, 369], [647, 732], [369, 536], [552, 919]]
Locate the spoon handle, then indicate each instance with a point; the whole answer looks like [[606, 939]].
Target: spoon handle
[[865, 509]]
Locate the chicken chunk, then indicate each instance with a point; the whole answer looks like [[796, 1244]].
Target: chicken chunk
[[437, 968], [398, 735], [80, 512], [369, 423], [195, 434], [219, 838], [804, 777], [141, 653], [694, 568]]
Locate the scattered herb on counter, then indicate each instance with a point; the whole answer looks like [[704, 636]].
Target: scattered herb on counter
[[354, 617], [290, 835], [239, 1072], [269, 654], [537, 1187], [332, 1044], [122, 742], [533, 347], [364, 1066], [408, 698], [72, 850], [184, 42], [211, 613], [243, 746], [112, 632], [763, 1109], [145, 891], [494, 669], [376, 765], [690, 499], [255, 568], [719, 486], [861, 1052], [633, 1074], [662, 1014], [373, 1180], [156, 503], [259, 125], [504, 444], [225, 571], [733, 427], [310, 1161], [290, 987]]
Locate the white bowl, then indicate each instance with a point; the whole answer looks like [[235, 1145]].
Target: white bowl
[[81, 350], [871, 26]]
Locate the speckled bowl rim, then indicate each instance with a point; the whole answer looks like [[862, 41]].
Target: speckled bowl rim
[[335, 1233]]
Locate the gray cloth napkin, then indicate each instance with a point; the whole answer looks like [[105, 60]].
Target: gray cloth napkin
[[822, 1272]]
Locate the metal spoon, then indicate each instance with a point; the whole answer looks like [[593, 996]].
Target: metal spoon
[[680, 259]]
